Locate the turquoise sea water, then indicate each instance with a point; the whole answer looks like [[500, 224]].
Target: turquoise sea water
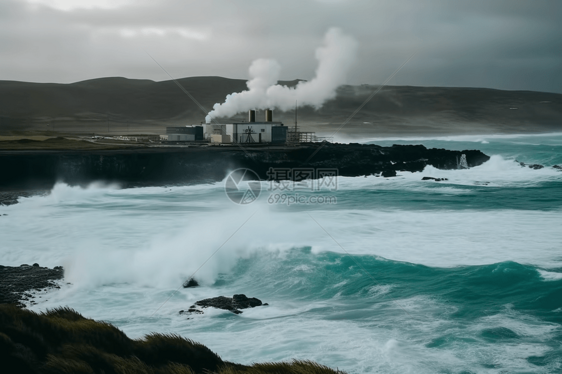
[[399, 276]]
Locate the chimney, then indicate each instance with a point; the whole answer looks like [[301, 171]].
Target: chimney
[[268, 115], [251, 116]]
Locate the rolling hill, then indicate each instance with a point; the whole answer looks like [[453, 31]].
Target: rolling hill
[[121, 105]]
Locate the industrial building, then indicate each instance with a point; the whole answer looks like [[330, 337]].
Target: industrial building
[[183, 134], [247, 132]]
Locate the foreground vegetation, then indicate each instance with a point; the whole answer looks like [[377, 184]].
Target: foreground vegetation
[[63, 341]]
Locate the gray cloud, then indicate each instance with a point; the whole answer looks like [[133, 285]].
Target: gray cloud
[[507, 44]]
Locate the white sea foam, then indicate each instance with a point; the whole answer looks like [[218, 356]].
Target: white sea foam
[[380, 290], [444, 238], [127, 236], [455, 138], [396, 340], [550, 275], [497, 172]]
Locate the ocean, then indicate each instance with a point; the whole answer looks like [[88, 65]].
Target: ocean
[[383, 275]]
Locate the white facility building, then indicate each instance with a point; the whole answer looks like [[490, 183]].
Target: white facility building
[[247, 132]]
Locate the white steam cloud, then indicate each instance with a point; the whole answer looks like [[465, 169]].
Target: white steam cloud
[[335, 58]]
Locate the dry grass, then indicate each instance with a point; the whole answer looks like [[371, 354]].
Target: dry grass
[[63, 341], [294, 367]]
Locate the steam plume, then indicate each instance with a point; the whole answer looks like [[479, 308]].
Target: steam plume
[[335, 58]]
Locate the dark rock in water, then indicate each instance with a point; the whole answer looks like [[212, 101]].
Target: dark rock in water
[[557, 167], [243, 302], [191, 310], [435, 179], [15, 281], [232, 304], [191, 282], [532, 166], [389, 173], [220, 302], [11, 197]]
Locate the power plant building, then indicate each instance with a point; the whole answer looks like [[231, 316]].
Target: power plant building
[[248, 132]]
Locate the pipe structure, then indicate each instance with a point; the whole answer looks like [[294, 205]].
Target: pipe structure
[[251, 115]]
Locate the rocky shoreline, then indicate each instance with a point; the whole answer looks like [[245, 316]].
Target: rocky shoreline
[[11, 197], [17, 282], [25, 170]]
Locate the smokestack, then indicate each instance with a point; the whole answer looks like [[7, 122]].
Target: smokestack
[[251, 115], [268, 115]]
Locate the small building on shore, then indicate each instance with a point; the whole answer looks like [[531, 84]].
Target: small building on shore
[[183, 134]]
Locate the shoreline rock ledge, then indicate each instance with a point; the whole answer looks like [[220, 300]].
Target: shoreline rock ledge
[[17, 283], [232, 304]]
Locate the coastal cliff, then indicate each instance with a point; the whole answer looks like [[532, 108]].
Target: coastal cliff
[[158, 166]]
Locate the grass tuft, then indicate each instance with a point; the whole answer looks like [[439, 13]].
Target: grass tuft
[[160, 349], [294, 367]]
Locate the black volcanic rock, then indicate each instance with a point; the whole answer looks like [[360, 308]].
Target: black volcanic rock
[[16, 281], [243, 302], [11, 197], [435, 179], [532, 166], [232, 304], [191, 282], [388, 173], [557, 167], [162, 166]]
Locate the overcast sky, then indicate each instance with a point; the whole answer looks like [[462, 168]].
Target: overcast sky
[[506, 44]]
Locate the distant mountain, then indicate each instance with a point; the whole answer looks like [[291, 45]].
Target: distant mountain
[[120, 105]]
